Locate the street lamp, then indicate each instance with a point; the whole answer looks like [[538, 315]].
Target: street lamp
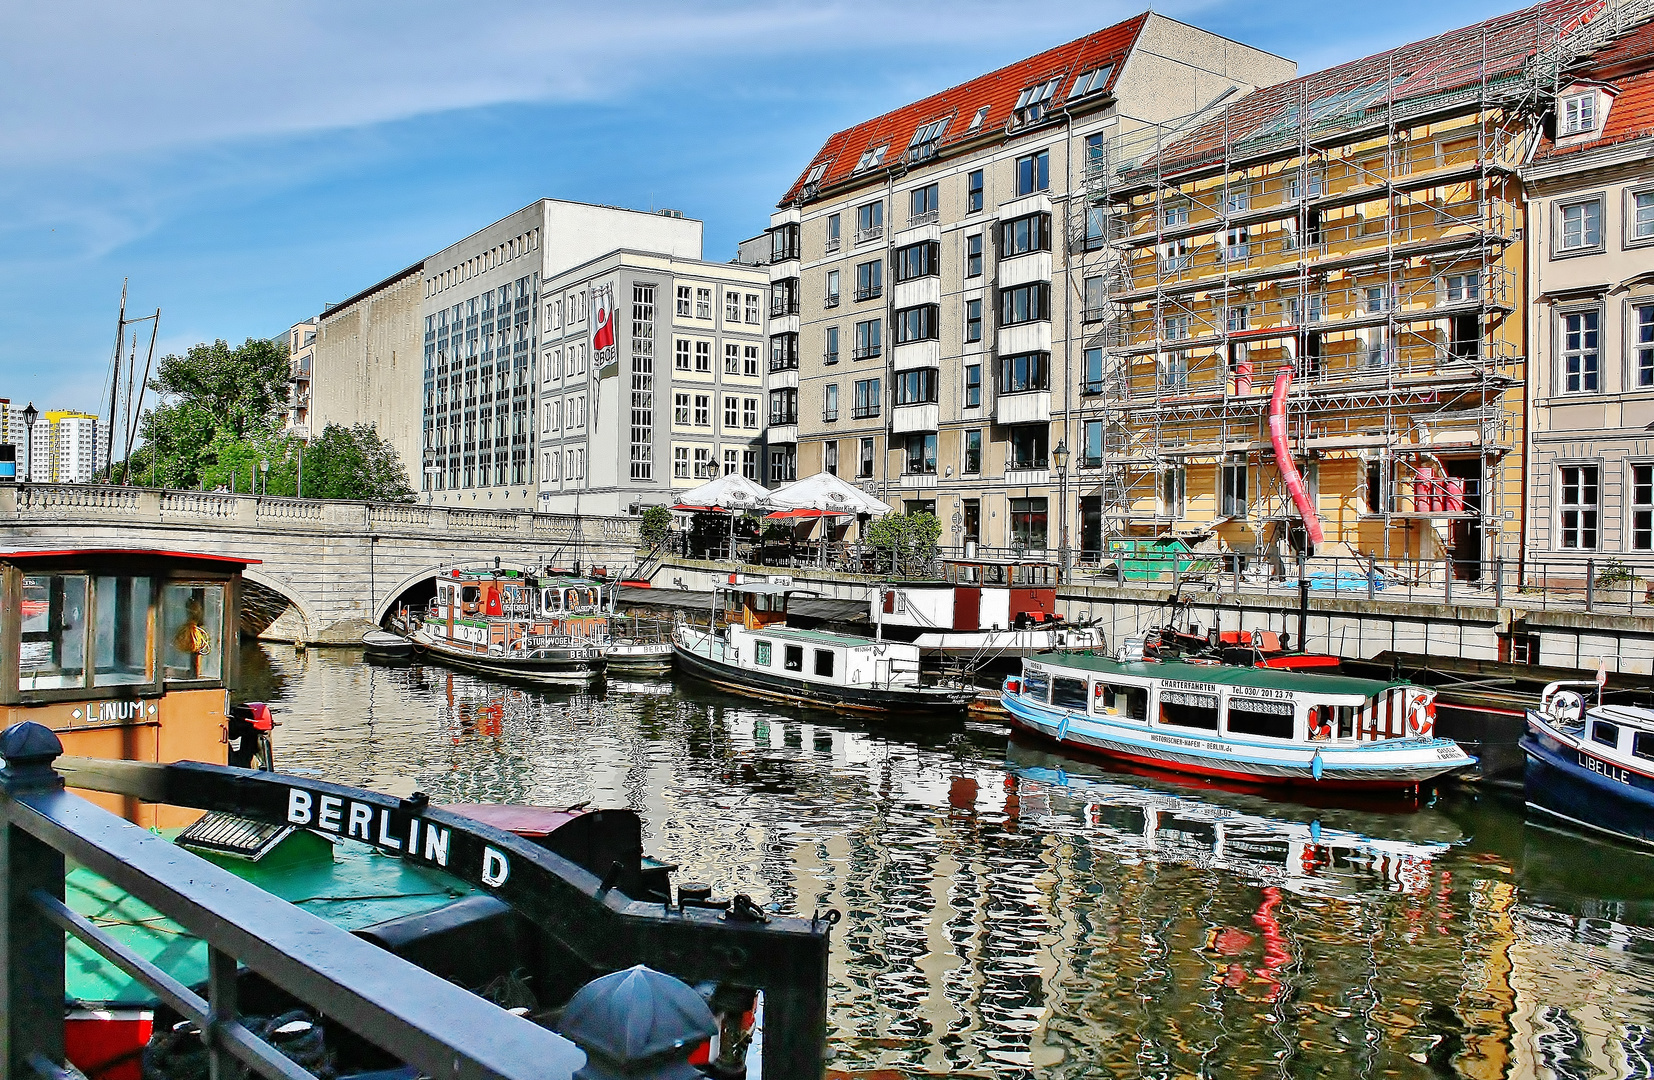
[[1059, 458], [30, 415], [264, 476], [431, 473]]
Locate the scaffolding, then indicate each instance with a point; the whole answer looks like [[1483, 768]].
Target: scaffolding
[[1360, 228]]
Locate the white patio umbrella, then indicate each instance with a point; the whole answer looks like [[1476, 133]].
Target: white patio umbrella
[[828, 493], [731, 491]]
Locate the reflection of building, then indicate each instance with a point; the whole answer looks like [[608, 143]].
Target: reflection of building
[[934, 273], [301, 349], [1591, 329], [675, 397]]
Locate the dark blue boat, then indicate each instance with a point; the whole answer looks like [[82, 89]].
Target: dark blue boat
[[1591, 766]]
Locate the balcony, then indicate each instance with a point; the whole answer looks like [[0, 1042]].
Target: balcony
[[917, 354], [867, 352], [1029, 407], [916, 291], [1027, 474], [782, 306], [1024, 338], [929, 217], [781, 436], [869, 292], [870, 234], [781, 417], [920, 417], [1022, 269], [784, 363], [865, 412]]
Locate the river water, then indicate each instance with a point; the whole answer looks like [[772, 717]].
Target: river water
[[1010, 912]]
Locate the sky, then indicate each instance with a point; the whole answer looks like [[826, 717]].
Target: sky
[[241, 165]]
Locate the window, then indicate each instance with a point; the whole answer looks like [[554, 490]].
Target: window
[[685, 297], [920, 454], [973, 255], [1025, 303], [732, 411], [761, 653], [680, 462], [973, 320], [867, 400], [1090, 82], [1238, 198], [864, 460], [703, 410], [732, 358], [868, 343], [1036, 684], [1579, 352], [1174, 492], [1378, 298], [1174, 256], [1034, 173], [191, 619], [1028, 446], [1184, 708], [1174, 373], [1578, 519], [1605, 733], [1257, 716], [749, 413], [680, 408], [917, 261], [832, 297], [833, 226], [923, 202], [1068, 693], [749, 359], [1639, 216], [1236, 245], [973, 451], [1093, 295], [1642, 337], [749, 464], [916, 387], [1032, 102], [1093, 371], [973, 191], [1028, 523], [1461, 287], [793, 657], [1019, 236], [869, 222], [784, 406], [871, 158], [824, 663], [783, 464], [829, 458], [973, 386], [870, 280], [1239, 317], [784, 242], [1642, 507], [915, 324], [829, 403], [703, 461], [1024, 372], [732, 307], [1174, 214], [1176, 327], [753, 302], [784, 352], [1579, 226], [680, 354], [1091, 443], [703, 354], [1579, 113], [830, 354], [732, 461], [1232, 493]]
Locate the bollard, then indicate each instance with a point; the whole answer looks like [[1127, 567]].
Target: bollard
[[637, 1024], [31, 948]]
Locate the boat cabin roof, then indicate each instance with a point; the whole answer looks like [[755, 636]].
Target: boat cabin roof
[[1627, 715], [818, 637], [1219, 674], [760, 588]]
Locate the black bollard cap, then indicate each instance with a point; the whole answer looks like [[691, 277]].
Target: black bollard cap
[[636, 1016], [29, 749]]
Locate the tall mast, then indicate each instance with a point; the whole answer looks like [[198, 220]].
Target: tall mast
[[115, 382], [135, 415]]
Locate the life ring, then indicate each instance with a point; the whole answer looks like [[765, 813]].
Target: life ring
[[1566, 707], [1419, 720], [1320, 726]]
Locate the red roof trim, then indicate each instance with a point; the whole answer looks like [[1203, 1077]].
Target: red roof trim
[[23, 556]]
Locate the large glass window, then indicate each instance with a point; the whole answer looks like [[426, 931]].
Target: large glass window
[[1033, 173], [52, 653], [1578, 519], [916, 387], [1028, 523], [918, 260], [1580, 356], [1068, 693], [1028, 446], [1024, 303], [867, 400], [121, 649], [1254, 716], [920, 453], [869, 280], [1184, 708], [916, 324], [1024, 372], [192, 620], [1019, 236]]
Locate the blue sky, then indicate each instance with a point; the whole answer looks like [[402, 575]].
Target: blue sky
[[243, 164]]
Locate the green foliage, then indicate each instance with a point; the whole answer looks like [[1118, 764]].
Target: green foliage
[[656, 523], [354, 463], [906, 541], [1614, 572]]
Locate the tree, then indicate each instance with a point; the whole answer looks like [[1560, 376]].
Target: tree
[[354, 463], [656, 523], [906, 543]]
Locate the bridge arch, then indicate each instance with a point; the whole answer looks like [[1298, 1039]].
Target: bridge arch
[[259, 592]]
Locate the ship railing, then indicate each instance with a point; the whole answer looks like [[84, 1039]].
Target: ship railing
[[433, 1025]]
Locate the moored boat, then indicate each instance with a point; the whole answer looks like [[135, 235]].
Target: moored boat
[[982, 611], [1591, 765], [638, 647], [384, 645], [540, 628], [1250, 725]]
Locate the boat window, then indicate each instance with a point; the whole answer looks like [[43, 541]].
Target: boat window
[[1252, 716], [1182, 708], [1344, 719], [1035, 684], [1132, 702], [761, 653], [53, 649], [795, 658], [1069, 693], [1642, 744], [548, 599], [1605, 733], [824, 663], [993, 575], [121, 650], [193, 618], [469, 594]]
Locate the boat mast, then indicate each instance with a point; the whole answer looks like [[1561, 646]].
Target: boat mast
[[114, 382]]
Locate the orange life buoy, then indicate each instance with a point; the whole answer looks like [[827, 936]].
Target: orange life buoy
[[1320, 725], [1420, 717]]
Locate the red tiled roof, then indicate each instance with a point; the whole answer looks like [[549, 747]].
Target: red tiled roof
[[998, 90], [1627, 67], [1447, 62]]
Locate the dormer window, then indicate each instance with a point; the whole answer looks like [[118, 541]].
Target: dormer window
[[925, 139], [1089, 82], [1032, 102], [872, 158], [817, 171], [976, 121], [1579, 113]]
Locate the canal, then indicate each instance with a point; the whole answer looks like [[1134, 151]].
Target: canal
[[1009, 912]]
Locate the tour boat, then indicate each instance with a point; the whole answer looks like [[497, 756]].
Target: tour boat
[[542, 628], [1591, 766], [756, 654], [981, 612], [1245, 724]]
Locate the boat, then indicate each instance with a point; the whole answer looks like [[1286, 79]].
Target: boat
[[1591, 765], [1242, 724], [544, 628], [983, 611], [638, 646], [756, 654], [384, 645]]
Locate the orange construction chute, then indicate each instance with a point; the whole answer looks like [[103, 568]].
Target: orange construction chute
[[1284, 462]]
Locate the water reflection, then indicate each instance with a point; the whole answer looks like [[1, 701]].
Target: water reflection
[[1009, 912]]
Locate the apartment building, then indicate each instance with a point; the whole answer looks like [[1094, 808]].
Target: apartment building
[[1362, 230], [64, 448], [652, 378], [366, 366], [481, 308], [301, 352], [1590, 381], [930, 272]]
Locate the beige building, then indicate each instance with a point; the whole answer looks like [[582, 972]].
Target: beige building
[[1591, 326], [301, 351], [932, 270]]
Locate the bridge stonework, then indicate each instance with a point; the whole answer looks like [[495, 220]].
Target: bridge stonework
[[329, 569]]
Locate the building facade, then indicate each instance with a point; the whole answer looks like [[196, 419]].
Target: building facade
[[1362, 231], [932, 269], [1591, 275], [301, 351], [482, 310], [652, 374], [366, 366], [64, 448]]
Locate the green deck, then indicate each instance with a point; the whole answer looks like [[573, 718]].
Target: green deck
[[1222, 674], [350, 885]]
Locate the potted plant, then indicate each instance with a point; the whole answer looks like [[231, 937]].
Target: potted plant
[[1617, 583]]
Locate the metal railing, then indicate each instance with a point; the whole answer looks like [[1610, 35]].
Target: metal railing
[[869, 292]]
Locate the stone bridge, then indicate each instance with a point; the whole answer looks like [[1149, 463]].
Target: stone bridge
[[327, 568]]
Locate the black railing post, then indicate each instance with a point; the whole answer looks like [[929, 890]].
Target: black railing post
[[221, 998], [1447, 565], [1590, 585], [1499, 581], [31, 948]]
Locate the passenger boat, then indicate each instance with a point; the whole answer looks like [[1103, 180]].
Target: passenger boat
[[638, 646], [1591, 765], [1250, 725], [542, 628], [982, 611], [755, 653]]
